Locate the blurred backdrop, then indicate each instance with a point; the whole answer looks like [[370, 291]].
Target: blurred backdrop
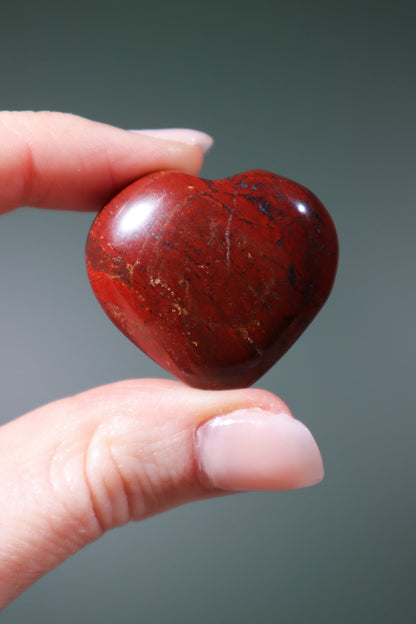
[[322, 92]]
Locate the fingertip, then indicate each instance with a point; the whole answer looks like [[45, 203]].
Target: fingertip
[[189, 157]]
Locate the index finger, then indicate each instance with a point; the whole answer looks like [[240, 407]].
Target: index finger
[[62, 161]]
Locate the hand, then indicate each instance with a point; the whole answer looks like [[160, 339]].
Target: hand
[[75, 468]]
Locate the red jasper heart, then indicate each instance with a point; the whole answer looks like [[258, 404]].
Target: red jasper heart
[[214, 280]]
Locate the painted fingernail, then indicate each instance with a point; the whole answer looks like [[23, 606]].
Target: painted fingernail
[[251, 449], [181, 135]]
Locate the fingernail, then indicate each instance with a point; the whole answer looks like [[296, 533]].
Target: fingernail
[[181, 135], [251, 449]]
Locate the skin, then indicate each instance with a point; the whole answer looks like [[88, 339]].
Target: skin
[[78, 467]]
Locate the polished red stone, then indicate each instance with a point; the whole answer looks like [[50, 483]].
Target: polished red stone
[[214, 280]]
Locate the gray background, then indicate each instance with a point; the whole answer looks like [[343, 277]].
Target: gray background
[[324, 93]]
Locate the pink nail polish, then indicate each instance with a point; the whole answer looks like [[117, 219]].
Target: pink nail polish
[[251, 449], [181, 135]]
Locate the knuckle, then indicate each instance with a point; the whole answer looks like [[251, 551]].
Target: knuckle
[[116, 467], [122, 485], [104, 481]]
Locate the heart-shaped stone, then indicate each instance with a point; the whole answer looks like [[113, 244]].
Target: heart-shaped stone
[[214, 280]]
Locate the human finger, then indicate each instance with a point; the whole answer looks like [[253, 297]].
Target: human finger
[[78, 467], [62, 161]]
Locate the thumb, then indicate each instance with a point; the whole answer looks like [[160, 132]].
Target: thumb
[[75, 468]]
